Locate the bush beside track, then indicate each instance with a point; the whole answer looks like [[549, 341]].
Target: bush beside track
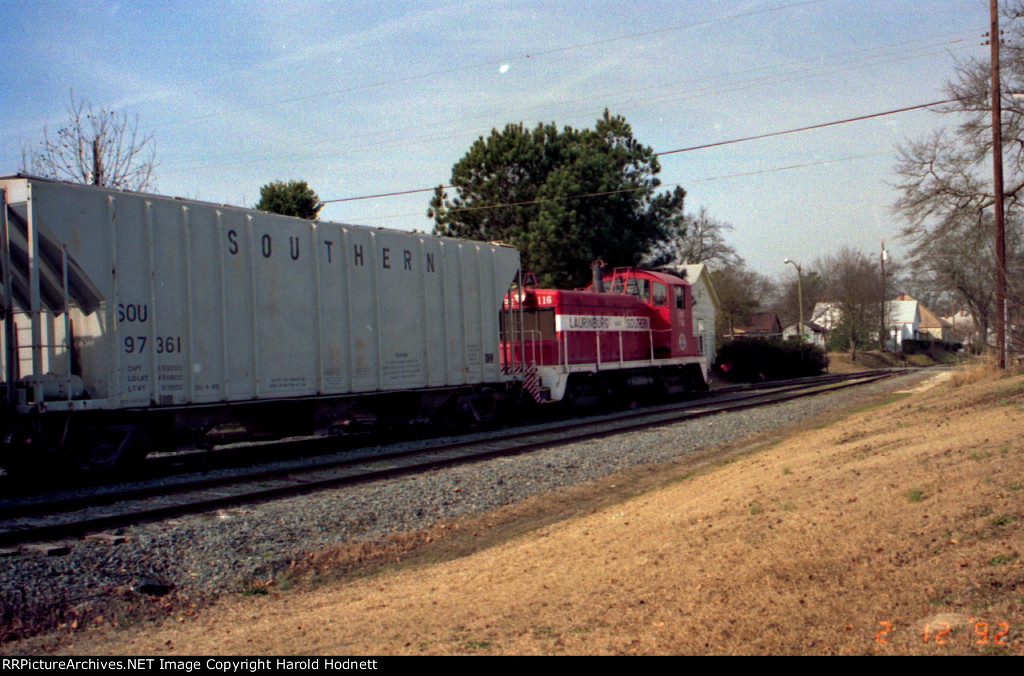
[[755, 360]]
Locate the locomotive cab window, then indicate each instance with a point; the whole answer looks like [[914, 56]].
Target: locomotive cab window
[[680, 292], [641, 288], [659, 294]]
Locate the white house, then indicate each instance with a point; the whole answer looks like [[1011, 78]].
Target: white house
[[705, 307], [827, 316], [813, 333], [902, 322]]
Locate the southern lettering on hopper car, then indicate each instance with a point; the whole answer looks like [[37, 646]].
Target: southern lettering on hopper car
[[389, 259]]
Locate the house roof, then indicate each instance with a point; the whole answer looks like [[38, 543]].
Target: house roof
[[929, 320], [761, 322], [808, 324], [695, 271]]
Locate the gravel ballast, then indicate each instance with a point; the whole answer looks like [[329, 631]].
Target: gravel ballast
[[197, 557]]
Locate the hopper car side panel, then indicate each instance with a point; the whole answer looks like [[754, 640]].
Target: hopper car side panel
[[208, 303], [177, 303]]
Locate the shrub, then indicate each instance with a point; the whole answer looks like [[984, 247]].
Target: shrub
[[754, 359]]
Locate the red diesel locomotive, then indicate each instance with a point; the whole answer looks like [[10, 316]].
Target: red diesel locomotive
[[627, 329]]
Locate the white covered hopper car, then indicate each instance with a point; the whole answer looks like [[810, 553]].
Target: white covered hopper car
[[134, 321]]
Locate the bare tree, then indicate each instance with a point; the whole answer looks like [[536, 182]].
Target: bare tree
[[95, 147], [694, 238], [741, 292], [947, 200], [810, 288], [853, 283]]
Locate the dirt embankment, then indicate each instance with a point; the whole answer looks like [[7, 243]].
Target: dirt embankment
[[895, 530], [867, 360]]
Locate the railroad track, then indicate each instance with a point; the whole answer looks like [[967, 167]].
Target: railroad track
[[60, 517]]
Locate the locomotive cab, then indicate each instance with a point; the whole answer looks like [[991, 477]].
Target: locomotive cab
[[668, 298]]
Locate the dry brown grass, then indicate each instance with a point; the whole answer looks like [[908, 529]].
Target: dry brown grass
[[840, 362], [982, 369], [897, 530]]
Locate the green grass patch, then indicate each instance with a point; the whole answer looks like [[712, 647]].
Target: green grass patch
[[914, 495], [920, 360], [1001, 559], [286, 580], [254, 590], [680, 479], [884, 401]]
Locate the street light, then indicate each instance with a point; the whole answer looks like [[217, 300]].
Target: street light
[[799, 296]]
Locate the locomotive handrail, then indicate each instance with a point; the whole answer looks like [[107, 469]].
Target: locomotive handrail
[[563, 346], [531, 338]]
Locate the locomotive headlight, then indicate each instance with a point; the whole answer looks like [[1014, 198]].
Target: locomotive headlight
[[525, 297]]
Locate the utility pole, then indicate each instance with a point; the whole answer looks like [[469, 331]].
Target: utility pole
[[883, 331], [997, 175]]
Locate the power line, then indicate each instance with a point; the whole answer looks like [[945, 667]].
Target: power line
[[808, 128], [812, 127], [770, 170]]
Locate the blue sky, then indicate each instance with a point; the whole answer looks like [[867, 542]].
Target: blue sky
[[361, 98]]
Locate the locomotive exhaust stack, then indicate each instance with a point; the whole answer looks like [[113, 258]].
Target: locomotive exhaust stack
[[597, 276]]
